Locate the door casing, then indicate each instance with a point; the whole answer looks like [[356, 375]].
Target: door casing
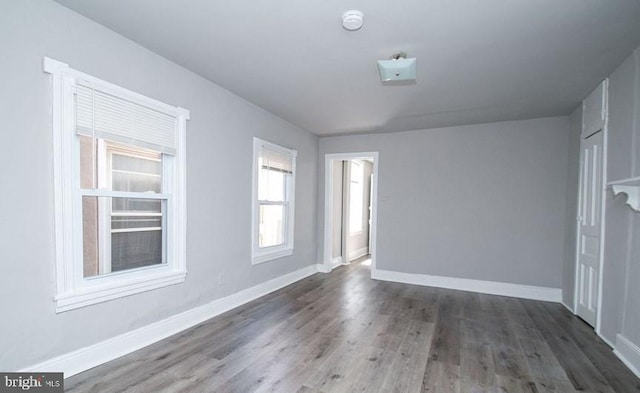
[[595, 119], [325, 264]]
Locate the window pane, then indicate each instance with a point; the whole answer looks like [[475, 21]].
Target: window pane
[[135, 182], [136, 174], [120, 239], [130, 250], [271, 225], [271, 185], [90, 241], [118, 167], [88, 162], [149, 164], [130, 222], [136, 205]]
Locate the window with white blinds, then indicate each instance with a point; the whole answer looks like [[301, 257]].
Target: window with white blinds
[[120, 171], [108, 116], [273, 210], [274, 160]]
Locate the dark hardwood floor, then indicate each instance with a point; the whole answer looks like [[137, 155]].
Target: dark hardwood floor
[[343, 332]]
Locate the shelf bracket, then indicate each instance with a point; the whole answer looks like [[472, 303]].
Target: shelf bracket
[[633, 195]]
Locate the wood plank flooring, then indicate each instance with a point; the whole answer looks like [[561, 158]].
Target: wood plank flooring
[[343, 332]]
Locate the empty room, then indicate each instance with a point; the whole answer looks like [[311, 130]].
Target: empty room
[[320, 196]]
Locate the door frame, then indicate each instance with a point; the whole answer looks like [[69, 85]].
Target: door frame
[[326, 266], [603, 203]]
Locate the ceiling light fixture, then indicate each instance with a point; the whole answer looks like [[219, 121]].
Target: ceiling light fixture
[[397, 68], [352, 20]]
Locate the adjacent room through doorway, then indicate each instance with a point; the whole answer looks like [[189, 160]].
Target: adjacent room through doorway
[[350, 208]]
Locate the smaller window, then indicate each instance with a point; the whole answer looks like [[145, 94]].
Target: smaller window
[[356, 197], [273, 208]]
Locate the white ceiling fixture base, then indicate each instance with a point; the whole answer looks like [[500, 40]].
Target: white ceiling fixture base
[[397, 68]]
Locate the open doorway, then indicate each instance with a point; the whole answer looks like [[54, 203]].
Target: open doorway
[[350, 209]]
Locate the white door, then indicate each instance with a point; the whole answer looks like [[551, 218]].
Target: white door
[[370, 208], [589, 218]]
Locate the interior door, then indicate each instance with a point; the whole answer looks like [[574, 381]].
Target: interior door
[[370, 208], [589, 219]]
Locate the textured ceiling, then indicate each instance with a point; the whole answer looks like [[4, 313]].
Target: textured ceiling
[[478, 60]]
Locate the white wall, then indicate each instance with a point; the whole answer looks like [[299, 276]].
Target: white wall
[[484, 202], [621, 292], [219, 145], [620, 311]]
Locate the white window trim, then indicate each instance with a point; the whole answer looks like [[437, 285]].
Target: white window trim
[[72, 289], [265, 254]]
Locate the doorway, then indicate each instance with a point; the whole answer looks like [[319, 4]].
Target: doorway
[[589, 227], [350, 209], [591, 209]]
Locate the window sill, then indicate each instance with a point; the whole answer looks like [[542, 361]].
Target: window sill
[[260, 258], [86, 297]]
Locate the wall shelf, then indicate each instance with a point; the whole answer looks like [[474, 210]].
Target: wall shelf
[[630, 181], [632, 190]]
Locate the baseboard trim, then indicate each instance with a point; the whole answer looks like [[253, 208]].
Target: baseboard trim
[[85, 358], [335, 262], [629, 353], [567, 307], [355, 254], [464, 284]]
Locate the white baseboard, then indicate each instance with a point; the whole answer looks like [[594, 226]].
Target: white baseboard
[[629, 353], [85, 358], [605, 339], [333, 263], [355, 254], [567, 307], [464, 284]]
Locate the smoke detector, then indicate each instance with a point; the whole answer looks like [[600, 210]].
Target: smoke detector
[[352, 20]]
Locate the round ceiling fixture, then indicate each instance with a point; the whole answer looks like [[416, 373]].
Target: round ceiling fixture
[[352, 20]]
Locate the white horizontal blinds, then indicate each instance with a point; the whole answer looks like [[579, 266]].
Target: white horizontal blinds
[[274, 160], [107, 116]]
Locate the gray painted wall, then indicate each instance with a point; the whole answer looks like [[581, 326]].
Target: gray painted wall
[[483, 202], [219, 144], [620, 293], [573, 174]]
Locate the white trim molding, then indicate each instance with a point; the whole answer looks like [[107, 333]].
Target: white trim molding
[[329, 159], [629, 353], [264, 254], [73, 289], [355, 254], [83, 359], [567, 307], [335, 262], [465, 284]]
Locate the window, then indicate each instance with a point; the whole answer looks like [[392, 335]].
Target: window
[[119, 166], [356, 197], [273, 195]]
